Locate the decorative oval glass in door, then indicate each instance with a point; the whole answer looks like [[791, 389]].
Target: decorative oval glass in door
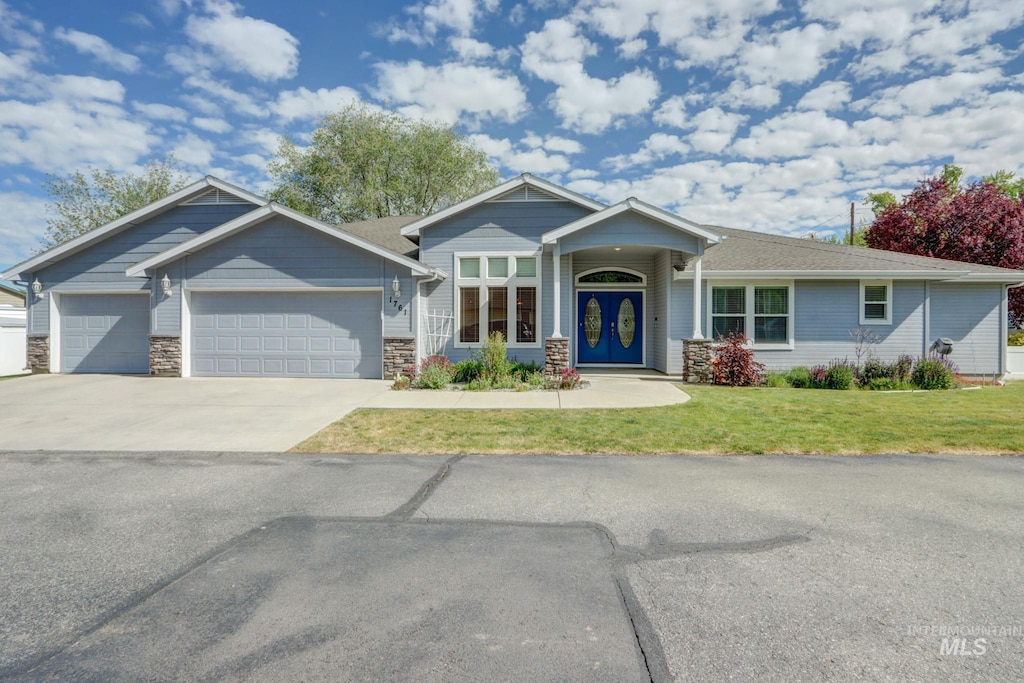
[[592, 322], [627, 323]]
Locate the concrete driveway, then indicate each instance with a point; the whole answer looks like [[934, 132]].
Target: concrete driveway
[[131, 413]]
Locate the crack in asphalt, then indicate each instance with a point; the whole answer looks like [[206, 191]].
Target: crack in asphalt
[[411, 506]]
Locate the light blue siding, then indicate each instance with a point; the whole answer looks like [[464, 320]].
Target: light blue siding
[[657, 305], [629, 228], [970, 315], [102, 265], [496, 228], [281, 254]]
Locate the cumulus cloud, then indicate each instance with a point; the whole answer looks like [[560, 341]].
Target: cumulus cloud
[[427, 19], [522, 157], [827, 96], [161, 112], [100, 49], [582, 102], [22, 228], [244, 44], [303, 103], [451, 92]]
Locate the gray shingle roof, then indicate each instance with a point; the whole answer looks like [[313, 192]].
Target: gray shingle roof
[[744, 250], [386, 232]]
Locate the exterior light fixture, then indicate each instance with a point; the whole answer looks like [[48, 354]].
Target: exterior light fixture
[[396, 288], [37, 289], [165, 285]]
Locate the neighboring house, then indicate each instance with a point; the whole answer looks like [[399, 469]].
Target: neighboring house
[[214, 280], [11, 295], [12, 340]]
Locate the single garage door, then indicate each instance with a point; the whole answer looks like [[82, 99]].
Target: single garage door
[[104, 333], [271, 334]]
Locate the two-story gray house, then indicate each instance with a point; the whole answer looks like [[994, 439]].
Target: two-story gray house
[[216, 281]]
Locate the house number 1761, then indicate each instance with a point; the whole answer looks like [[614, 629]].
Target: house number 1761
[[401, 307]]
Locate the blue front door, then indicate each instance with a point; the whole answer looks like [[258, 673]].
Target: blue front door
[[610, 327]]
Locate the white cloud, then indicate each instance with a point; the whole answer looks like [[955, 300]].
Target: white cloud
[[427, 19], [244, 44], [672, 112], [523, 157], [792, 135], [212, 125], [742, 94], [104, 52], [582, 102], [471, 49], [655, 148], [631, 49], [714, 129], [793, 56], [161, 112], [303, 103], [241, 102], [194, 152], [451, 92], [828, 96], [927, 94]]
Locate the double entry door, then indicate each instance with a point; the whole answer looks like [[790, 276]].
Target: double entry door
[[610, 327]]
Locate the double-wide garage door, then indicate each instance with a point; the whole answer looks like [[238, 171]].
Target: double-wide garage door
[[271, 334], [104, 333]]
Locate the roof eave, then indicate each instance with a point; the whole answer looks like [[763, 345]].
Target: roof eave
[[631, 204], [710, 274]]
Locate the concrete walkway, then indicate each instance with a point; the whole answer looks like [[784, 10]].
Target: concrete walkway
[[608, 389]]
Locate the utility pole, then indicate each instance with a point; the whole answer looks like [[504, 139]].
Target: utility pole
[[852, 204]]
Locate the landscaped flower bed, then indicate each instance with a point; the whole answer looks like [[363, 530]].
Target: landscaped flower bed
[[490, 370], [734, 365]]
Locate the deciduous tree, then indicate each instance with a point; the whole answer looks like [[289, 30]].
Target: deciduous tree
[[365, 163], [82, 202], [979, 223]]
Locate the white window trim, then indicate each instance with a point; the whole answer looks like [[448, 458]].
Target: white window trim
[[483, 282], [888, 303], [748, 311]]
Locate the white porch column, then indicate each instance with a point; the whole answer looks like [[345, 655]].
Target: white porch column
[[556, 290], [697, 298]]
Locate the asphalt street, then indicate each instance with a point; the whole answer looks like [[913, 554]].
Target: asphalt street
[[257, 567]]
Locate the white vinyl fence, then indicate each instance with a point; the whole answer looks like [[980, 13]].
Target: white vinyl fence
[[1015, 361], [12, 341]]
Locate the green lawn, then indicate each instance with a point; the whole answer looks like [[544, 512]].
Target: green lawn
[[717, 420]]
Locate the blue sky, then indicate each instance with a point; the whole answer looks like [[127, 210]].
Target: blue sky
[[761, 114]]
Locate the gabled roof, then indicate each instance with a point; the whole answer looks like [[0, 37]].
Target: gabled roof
[[745, 253], [261, 214], [634, 205], [525, 179], [62, 251]]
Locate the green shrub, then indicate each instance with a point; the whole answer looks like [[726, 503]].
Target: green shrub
[[494, 357], [875, 369], [799, 377], [536, 380], [1016, 339], [776, 380], [523, 371], [436, 372], [468, 370], [878, 384], [567, 379], [839, 375], [933, 373]]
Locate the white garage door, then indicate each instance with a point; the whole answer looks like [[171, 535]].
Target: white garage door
[[271, 334], [104, 333]]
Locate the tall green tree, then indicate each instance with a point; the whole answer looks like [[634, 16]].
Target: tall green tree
[[365, 163], [84, 201]]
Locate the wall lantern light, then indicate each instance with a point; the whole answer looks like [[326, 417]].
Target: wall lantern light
[[165, 285], [37, 289], [396, 288]]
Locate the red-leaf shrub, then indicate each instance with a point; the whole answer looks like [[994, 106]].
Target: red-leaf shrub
[[734, 363]]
